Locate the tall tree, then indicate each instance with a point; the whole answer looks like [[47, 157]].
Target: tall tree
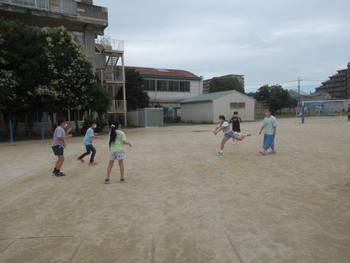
[[45, 70], [225, 83], [275, 96]]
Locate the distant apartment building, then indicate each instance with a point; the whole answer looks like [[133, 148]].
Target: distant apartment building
[[168, 87], [337, 86], [206, 83], [87, 23]]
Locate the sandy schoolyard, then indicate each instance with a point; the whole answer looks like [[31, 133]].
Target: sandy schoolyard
[[180, 202]]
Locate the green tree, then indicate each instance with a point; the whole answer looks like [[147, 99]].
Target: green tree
[[20, 66], [275, 96], [45, 70], [225, 83], [136, 96]]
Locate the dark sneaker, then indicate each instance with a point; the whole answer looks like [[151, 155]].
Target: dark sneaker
[[122, 179], [107, 180], [54, 173], [60, 174]]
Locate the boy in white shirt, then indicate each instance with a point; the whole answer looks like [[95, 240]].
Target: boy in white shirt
[[225, 127]]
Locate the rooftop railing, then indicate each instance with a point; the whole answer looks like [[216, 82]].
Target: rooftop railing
[[111, 44], [61, 6]]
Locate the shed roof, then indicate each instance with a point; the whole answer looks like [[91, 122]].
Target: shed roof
[[213, 96]]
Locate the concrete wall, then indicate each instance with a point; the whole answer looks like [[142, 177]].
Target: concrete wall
[[133, 118], [222, 106], [197, 112]]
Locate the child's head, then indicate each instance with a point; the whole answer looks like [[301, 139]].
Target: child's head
[[268, 112], [235, 113], [93, 124], [62, 123], [221, 118], [113, 134]]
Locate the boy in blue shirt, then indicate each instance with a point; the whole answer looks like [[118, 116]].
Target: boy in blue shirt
[[269, 126], [90, 149]]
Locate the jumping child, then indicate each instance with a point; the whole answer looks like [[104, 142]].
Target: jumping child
[[58, 145], [224, 126], [236, 125], [117, 140], [269, 126], [90, 149]]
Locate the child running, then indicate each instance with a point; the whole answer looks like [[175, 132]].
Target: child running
[[58, 145], [117, 140], [236, 125], [90, 149], [269, 126], [225, 127]]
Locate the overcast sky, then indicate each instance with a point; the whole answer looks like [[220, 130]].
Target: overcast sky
[[268, 41]]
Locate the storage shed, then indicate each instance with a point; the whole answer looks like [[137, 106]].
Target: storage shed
[[147, 117], [207, 107]]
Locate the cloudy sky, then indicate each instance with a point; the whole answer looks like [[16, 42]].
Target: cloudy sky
[[269, 41]]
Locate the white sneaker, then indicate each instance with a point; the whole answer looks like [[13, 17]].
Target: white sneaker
[[220, 153], [234, 142]]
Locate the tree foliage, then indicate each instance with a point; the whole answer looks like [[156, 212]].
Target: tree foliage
[[45, 70], [275, 96], [225, 83], [136, 96]]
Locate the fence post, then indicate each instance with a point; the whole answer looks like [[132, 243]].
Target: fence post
[[302, 114], [11, 131], [42, 130]]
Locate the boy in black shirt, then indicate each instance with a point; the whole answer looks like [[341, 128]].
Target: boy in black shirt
[[236, 125]]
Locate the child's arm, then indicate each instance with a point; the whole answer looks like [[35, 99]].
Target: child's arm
[[217, 130], [261, 129], [126, 143]]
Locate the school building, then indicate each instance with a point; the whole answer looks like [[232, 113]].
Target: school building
[[206, 108], [168, 87]]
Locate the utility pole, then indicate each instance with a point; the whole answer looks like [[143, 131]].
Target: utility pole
[[299, 98]]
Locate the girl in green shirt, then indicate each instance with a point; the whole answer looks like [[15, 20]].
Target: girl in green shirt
[[117, 140]]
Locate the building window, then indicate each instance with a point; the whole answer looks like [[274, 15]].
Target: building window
[[185, 86], [237, 105], [174, 86], [162, 85], [149, 84]]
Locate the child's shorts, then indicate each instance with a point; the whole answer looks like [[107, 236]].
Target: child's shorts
[[118, 155], [58, 150], [231, 134], [269, 141]]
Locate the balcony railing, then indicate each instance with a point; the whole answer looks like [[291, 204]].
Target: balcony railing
[[117, 106], [115, 75], [61, 6], [111, 44], [92, 11]]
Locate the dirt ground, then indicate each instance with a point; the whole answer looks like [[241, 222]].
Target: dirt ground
[[182, 203]]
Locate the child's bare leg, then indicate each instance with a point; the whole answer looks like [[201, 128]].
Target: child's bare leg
[[121, 167], [240, 136], [59, 162], [224, 140], [109, 168]]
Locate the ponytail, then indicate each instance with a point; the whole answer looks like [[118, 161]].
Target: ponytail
[[113, 135]]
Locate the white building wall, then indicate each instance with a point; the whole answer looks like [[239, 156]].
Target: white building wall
[[222, 106], [174, 98], [197, 112]]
